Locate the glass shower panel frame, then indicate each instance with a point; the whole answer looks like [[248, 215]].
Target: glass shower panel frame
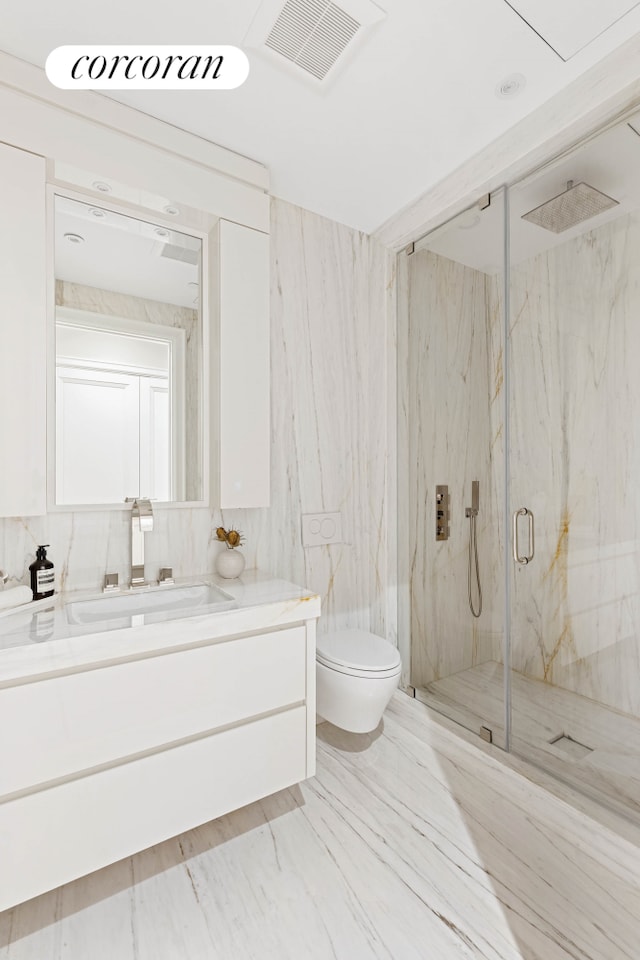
[[451, 433]]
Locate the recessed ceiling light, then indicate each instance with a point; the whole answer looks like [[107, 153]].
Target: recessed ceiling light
[[171, 210], [97, 212], [161, 232], [101, 186], [511, 86], [73, 238]]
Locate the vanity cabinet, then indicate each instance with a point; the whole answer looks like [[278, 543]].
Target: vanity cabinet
[[109, 758]]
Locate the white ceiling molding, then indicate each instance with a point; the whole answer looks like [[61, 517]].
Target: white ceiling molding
[[18, 75], [75, 130], [569, 26]]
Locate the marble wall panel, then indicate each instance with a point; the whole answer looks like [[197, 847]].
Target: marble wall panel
[[450, 430], [330, 343], [329, 408]]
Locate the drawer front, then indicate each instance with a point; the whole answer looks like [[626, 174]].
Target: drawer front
[[57, 834], [57, 727]]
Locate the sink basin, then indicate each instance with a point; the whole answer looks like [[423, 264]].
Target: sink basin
[[150, 605]]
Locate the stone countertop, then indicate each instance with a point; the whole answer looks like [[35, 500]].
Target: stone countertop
[[37, 639]]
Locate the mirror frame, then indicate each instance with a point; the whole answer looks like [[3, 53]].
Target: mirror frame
[[182, 225]]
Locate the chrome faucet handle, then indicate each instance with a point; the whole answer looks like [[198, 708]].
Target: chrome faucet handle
[[145, 512], [166, 575], [141, 508], [141, 523]]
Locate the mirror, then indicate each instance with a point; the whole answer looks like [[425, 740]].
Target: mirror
[[129, 358]]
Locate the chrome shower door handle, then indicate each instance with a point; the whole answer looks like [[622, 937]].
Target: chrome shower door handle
[[527, 558]]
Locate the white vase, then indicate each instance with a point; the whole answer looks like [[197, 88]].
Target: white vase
[[229, 563]]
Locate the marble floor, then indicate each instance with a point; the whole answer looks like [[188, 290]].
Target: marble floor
[[409, 844], [609, 768]]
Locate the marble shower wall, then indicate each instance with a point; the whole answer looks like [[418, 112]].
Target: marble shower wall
[[450, 432], [330, 343], [576, 463]]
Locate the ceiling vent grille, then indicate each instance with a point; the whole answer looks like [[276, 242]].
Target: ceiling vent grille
[[312, 34], [311, 38]]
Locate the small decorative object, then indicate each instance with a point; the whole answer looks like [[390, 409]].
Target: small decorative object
[[230, 562]]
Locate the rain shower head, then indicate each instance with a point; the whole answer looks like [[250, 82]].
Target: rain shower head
[[572, 206]]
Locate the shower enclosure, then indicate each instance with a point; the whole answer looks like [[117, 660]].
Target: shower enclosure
[[519, 367]]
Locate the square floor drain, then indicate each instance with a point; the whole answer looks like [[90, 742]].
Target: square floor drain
[[570, 747]]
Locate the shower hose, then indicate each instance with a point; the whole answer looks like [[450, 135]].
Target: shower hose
[[473, 561]]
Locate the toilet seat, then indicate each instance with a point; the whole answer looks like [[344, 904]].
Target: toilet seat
[[357, 673], [358, 653]]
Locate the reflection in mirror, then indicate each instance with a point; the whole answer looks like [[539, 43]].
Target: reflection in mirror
[[129, 370]]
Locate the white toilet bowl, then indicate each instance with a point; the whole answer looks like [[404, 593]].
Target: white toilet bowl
[[356, 673]]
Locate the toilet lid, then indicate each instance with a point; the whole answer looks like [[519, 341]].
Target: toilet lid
[[357, 649]]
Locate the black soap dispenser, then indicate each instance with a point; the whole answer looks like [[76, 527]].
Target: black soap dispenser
[[42, 575]]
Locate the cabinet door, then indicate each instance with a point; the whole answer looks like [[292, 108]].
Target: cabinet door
[[244, 376], [23, 334]]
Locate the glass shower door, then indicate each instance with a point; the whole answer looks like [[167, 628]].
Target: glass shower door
[[573, 570]]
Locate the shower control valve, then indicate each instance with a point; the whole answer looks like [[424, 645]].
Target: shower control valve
[[442, 512]]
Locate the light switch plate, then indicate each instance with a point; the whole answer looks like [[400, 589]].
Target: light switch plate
[[321, 528]]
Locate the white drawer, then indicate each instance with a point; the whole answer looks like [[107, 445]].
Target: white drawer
[[57, 834], [56, 727]]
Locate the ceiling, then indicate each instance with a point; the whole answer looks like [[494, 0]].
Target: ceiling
[[410, 102]]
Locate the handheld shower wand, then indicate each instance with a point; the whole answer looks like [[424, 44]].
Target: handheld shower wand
[[472, 513]]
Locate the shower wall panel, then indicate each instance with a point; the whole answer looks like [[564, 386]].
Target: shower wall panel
[[575, 461], [450, 412]]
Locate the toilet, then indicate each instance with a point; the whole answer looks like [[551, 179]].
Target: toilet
[[356, 673]]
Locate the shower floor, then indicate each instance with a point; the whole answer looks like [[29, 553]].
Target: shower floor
[[610, 766]]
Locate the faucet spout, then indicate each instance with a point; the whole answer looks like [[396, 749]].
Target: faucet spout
[[141, 523]]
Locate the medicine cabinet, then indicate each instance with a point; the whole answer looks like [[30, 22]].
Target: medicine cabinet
[[125, 318]]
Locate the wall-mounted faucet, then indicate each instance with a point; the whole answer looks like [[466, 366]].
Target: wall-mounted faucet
[[141, 523], [474, 509]]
